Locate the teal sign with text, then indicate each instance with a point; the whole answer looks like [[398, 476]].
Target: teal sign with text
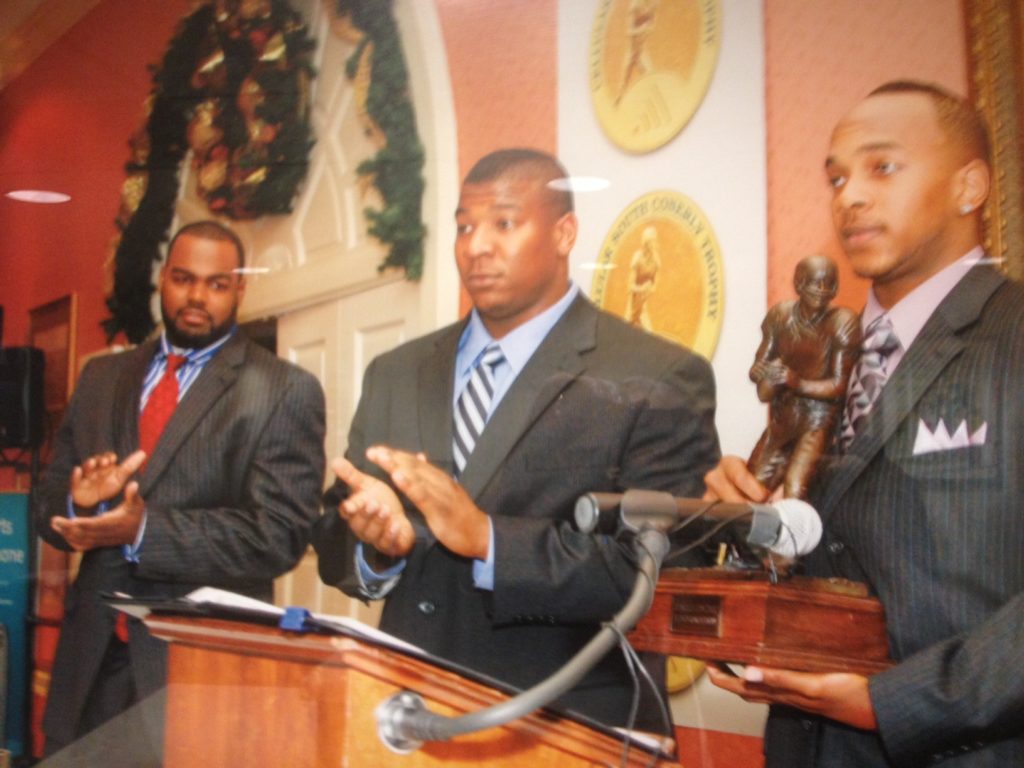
[[14, 583]]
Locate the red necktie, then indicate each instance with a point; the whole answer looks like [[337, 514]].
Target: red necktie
[[161, 404], [121, 626]]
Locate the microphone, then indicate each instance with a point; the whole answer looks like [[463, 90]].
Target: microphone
[[788, 527]]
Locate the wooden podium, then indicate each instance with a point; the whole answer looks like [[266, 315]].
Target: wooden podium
[[815, 625], [244, 694]]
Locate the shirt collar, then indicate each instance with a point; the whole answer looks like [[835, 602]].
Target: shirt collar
[[910, 313], [193, 356], [519, 344]]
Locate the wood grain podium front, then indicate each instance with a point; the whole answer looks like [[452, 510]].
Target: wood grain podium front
[[243, 694]]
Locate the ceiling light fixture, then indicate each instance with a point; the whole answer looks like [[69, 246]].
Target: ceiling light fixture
[[38, 196]]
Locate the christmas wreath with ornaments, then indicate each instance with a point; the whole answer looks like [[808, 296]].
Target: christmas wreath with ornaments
[[234, 89]]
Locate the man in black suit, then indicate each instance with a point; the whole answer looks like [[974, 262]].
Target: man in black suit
[[925, 499], [488, 570], [225, 495]]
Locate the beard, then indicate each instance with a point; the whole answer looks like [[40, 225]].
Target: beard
[[186, 339]]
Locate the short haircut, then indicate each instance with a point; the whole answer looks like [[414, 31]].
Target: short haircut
[[530, 164], [957, 117], [208, 229]]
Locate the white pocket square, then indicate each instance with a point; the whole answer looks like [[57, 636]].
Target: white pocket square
[[939, 439]]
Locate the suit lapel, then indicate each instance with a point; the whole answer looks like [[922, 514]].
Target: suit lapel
[[934, 348], [127, 392], [218, 375], [434, 399], [554, 366]]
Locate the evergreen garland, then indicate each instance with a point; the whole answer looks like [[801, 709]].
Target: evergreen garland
[[244, 178], [396, 169], [264, 154], [157, 153]]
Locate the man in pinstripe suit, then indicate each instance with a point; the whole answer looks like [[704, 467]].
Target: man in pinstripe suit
[[926, 504], [226, 497]]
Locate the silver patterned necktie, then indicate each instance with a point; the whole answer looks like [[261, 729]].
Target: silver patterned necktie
[[870, 375], [474, 405]]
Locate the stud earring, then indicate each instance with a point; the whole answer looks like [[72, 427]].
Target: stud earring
[[966, 208]]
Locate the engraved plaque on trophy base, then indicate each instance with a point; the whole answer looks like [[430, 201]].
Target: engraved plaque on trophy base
[[814, 625]]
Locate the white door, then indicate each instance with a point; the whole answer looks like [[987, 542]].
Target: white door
[[316, 269]]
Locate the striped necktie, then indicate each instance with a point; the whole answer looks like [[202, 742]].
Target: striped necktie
[[474, 405], [869, 377]]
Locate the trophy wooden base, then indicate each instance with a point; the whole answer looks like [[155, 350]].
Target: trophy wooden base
[[814, 625]]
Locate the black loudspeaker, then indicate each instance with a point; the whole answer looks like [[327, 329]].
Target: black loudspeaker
[[21, 397]]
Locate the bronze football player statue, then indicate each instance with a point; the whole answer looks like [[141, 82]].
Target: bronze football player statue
[[801, 370]]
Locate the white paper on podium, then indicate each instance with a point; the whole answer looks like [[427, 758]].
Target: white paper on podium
[[344, 624], [213, 598]]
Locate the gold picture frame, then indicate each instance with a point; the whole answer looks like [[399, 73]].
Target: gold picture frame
[[994, 42]]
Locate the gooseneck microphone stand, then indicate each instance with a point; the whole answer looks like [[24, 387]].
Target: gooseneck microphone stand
[[404, 722]]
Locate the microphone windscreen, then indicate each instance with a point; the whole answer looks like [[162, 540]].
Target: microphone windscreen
[[799, 528]]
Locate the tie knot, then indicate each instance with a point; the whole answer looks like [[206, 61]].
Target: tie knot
[[880, 337], [174, 362], [492, 355]]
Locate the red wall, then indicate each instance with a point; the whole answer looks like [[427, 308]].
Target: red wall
[[65, 123]]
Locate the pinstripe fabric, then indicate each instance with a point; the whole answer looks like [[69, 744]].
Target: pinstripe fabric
[[231, 492], [940, 537]]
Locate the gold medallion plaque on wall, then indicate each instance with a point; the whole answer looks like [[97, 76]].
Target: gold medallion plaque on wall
[[651, 63], [660, 268]]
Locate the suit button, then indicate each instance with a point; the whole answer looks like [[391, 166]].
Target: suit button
[[426, 607], [807, 724], [835, 547]]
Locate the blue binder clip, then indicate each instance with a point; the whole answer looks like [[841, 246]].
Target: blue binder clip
[[294, 619]]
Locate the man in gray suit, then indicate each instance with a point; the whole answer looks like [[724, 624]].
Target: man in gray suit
[[224, 494], [488, 570], [925, 499]]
